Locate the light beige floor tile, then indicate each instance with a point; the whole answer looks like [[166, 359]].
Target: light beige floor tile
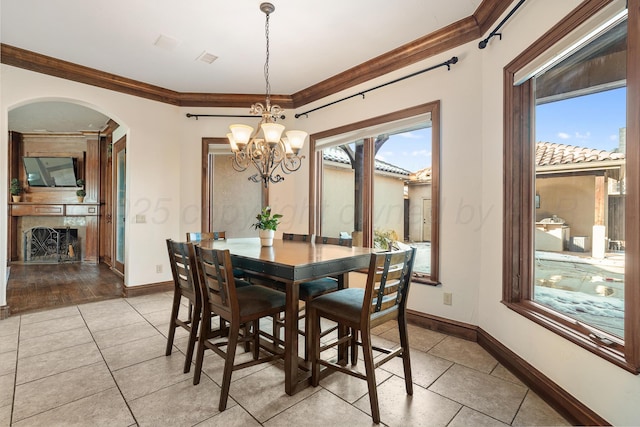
[[321, 409], [102, 308], [381, 329], [263, 395], [492, 396], [351, 388], [153, 305], [5, 416], [9, 327], [397, 408], [213, 365], [59, 340], [49, 315], [34, 330], [66, 359], [152, 375], [536, 412], [425, 368], [124, 334], [8, 362], [501, 372], [163, 329], [466, 353], [157, 318], [103, 323], [127, 354], [9, 343], [231, 417], [468, 417], [419, 338], [6, 389], [106, 408], [145, 299], [179, 404], [47, 393]]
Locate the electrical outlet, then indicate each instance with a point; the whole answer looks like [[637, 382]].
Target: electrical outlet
[[447, 298], [141, 219], [159, 268]]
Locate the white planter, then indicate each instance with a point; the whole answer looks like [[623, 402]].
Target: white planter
[[266, 237]]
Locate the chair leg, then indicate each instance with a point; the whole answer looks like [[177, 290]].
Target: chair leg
[[367, 351], [193, 336], [313, 335], [234, 331], [256, 339], [354, 347], [406, 359], [204, 333], [172, 322]]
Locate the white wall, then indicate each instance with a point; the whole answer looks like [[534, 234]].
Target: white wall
[[164, 175]]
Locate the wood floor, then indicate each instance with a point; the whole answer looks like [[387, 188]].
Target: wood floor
[[43, 286]]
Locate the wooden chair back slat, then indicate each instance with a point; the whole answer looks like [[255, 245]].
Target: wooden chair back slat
[[217, 282], [297, 237], [388, 281], [183, 265], [340, 241]]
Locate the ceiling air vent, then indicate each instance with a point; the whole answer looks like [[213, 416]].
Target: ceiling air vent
[[206, 57]]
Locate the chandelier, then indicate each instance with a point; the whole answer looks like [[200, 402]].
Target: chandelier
[[268, 151]]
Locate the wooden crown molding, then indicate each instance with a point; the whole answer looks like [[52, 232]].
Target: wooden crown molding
[[451, 36]]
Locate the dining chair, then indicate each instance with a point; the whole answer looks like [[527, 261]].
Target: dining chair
[[297, 237], [197, 236], [238, 307], [184, 271], [384, 298]]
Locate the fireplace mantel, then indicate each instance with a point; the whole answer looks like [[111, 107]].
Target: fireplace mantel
[[90, 212], [54, 209]]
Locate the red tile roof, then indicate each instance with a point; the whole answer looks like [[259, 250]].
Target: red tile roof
[[548, 154]]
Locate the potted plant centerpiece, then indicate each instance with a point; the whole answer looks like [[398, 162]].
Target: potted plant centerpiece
[[267, 224], [16, 190], [80, 193]]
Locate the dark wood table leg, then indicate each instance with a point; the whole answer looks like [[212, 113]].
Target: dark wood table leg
[[291, 339]]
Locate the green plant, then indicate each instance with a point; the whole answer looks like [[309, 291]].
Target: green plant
[[80, 192], [384, 239], [266, 221], [16, 188]]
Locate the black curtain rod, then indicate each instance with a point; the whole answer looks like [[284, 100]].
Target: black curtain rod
[[447, 64], [189, 115], [483, 43]]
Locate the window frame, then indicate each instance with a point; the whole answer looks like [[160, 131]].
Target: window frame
[[316, 179], [519, 190]]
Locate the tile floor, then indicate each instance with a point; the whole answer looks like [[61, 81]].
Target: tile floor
[[103, 363]]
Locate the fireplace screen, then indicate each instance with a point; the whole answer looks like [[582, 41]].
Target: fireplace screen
[[43, 244]]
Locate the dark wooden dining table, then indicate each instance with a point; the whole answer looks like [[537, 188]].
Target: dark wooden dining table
[[293, 262]]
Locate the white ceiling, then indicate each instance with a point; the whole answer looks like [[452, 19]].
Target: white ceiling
[[310, 41]]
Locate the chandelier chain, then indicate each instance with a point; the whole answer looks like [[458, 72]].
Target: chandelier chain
[[266, 65]]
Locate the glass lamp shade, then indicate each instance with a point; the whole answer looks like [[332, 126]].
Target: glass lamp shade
[[241, 134], [296, 139], [232, 142], [272, 132]]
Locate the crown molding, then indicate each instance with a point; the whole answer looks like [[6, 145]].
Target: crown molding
[[449, 37]]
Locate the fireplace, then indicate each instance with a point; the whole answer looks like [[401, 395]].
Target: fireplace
[[51, 245]]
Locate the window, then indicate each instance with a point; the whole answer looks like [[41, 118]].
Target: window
[[570, 242], [377, 181]]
